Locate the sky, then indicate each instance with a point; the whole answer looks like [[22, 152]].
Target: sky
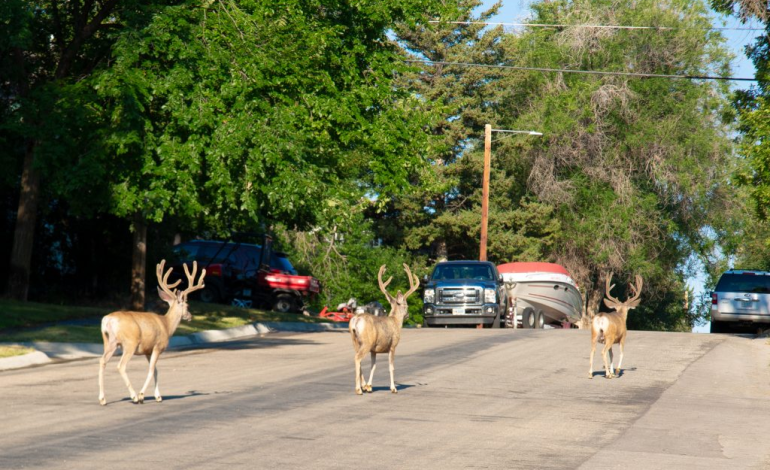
[[517, 11]]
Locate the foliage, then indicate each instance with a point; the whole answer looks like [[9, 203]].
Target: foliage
[[347, 262], [237, 115]]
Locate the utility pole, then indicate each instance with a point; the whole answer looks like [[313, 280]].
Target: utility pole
[[485, 183], [485, 191]]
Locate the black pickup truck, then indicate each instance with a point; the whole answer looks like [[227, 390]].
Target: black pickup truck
[[464, 293]]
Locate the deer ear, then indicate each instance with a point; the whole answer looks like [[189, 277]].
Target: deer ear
[[610, 304], [165, 296]]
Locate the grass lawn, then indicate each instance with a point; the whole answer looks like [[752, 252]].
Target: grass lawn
[[36, 325], [13, 350]]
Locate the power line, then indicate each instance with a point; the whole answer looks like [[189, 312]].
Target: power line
[[589, 72], [597, 26]]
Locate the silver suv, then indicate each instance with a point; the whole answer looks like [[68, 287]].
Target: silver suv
[[741, 297]]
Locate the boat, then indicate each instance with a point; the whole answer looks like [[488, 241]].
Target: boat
[[540, 294]]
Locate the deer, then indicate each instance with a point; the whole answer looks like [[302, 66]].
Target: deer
[[378, 334], [146, 332], [610, 328]]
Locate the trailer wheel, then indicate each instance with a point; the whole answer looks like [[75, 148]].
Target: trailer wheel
[[284, 303], [528, 318], [539, 321]]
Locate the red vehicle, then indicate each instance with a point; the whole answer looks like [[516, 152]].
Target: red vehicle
[[247, 275]]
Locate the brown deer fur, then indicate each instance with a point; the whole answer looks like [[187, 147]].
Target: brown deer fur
[[372, 334], [610, 328], [146, 333]]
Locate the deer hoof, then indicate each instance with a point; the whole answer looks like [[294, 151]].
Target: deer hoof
[[393, 390], [135, 399], [140, 399], [368, 389], [103, 401], [159, 398], [359, 392]]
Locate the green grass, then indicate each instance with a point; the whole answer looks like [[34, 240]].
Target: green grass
[[14, 314], [13, 350], [205, 317]]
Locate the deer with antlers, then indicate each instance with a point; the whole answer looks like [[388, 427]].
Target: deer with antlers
[[373, 334], [146, 333], [610, 328]]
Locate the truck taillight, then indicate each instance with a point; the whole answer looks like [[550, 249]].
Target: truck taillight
[[214, 270], [714, 298]]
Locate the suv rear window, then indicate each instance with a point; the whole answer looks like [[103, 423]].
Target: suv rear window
[[747, 283]]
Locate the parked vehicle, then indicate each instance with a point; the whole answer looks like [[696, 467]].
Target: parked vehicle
[[741, 297], [540, 294], [464, 293], [246, 274]]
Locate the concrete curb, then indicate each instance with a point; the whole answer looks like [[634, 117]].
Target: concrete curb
[[45, 351]]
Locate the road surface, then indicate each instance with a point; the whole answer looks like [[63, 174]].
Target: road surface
[[500, 399]]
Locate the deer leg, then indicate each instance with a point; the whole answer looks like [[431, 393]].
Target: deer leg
[[607, 346], [128, 353], [109, 350], [591, 363], [612, 359], [620, 359], [391, 358], [368, 386], [359, 375], [151, 373]]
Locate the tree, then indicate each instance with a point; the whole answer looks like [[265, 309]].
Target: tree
[[635, 168], [250, 116], [47, 49]]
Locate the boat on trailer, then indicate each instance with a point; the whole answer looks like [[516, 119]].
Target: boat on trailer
[[540, 294]]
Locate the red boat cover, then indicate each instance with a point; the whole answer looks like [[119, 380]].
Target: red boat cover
[[532, 268]]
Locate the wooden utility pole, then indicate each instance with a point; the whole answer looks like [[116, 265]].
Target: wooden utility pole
[[485, 183], [485, 191]]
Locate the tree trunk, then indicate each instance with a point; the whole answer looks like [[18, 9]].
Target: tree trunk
[[441, 250], [139, 263], [24, 233]]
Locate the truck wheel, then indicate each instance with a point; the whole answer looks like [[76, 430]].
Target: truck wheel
[[496, 321], [284, 303], [539, 320], [209, 295], [528, 318]]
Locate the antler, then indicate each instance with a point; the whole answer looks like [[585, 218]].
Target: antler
[[608, 288], [170, 288], [163, 279], [414, 283], [637, 291], [191, 286], [383, 285]]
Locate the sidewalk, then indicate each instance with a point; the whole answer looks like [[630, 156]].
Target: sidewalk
[[46, 352]]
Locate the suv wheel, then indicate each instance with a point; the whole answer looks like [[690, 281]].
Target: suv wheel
[[528, 318], [284, 303], [718, 326], [209, 295]]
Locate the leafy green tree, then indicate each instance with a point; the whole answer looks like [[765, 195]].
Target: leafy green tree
[[49, 47], [635, 168]]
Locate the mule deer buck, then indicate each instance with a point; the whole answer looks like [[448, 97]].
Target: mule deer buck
[[146, 333], [610, 328], [374, 334]]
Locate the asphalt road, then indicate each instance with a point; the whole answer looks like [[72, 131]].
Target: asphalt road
[[467, 399]]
